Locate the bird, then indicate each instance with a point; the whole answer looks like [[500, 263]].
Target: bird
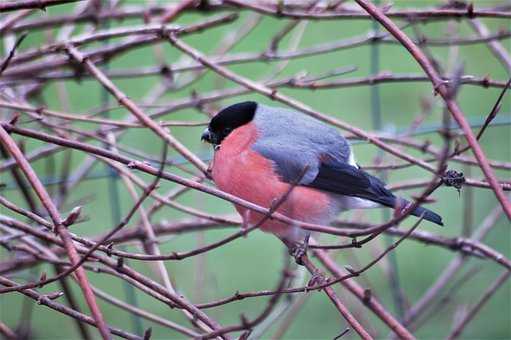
[[262, 153]]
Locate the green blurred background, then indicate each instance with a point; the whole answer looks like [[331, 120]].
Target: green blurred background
[[254, 263]]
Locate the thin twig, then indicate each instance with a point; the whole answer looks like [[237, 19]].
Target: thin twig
[[11, 146], [460, 326]]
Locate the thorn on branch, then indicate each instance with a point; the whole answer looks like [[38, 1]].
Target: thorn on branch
[[273, 94], [203, 5], [367, 296], [41, 299], [437, 86], [54, 295], [72, 217], [147, 334], [422, 39], [39, 111], [7, 60], [486, 81], [343, 333], [470, 10], [76, 61], [280, 8], [245, 323], [194, 317], [456, 244], [425, 146], [176, 255], [316, 280], [386, 7], [109, 249], [447, 133], [166, 71], [209, 171], [350, 269], [3, 243], [245, 335], [120, 262], [355, 243], [42, 278], [14, 118]]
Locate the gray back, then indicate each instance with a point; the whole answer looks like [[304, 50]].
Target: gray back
[[295, 141]]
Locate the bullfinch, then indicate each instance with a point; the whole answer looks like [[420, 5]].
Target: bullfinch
[[260, 151]]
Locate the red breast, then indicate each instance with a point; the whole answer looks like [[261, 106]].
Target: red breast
[[239, 170]]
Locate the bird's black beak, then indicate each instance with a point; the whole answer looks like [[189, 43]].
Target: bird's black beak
[[206, 136]]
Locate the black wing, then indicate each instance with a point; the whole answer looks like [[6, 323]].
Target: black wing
[[345, 179]]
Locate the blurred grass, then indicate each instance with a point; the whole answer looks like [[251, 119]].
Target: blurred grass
[[254, 263]]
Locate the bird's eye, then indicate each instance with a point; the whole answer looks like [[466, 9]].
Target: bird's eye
[[227, 131]]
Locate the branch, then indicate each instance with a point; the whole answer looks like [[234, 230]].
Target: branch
[[47, 301], [336, 301], [5, 62], [41, 192], [443, 90], [36, 4], [460, 326], [277, 10], [133, 108]]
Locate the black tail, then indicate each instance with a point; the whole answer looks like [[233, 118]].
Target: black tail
[[390, 201], [428, 215], [378, 193], [348, 180]]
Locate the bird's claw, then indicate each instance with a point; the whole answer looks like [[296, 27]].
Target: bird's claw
[[299, 250], [316, 279]]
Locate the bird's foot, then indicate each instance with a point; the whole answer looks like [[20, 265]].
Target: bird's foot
[[299, 250], [317, 279]]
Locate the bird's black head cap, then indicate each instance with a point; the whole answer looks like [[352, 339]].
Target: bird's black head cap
[[227, 120]]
